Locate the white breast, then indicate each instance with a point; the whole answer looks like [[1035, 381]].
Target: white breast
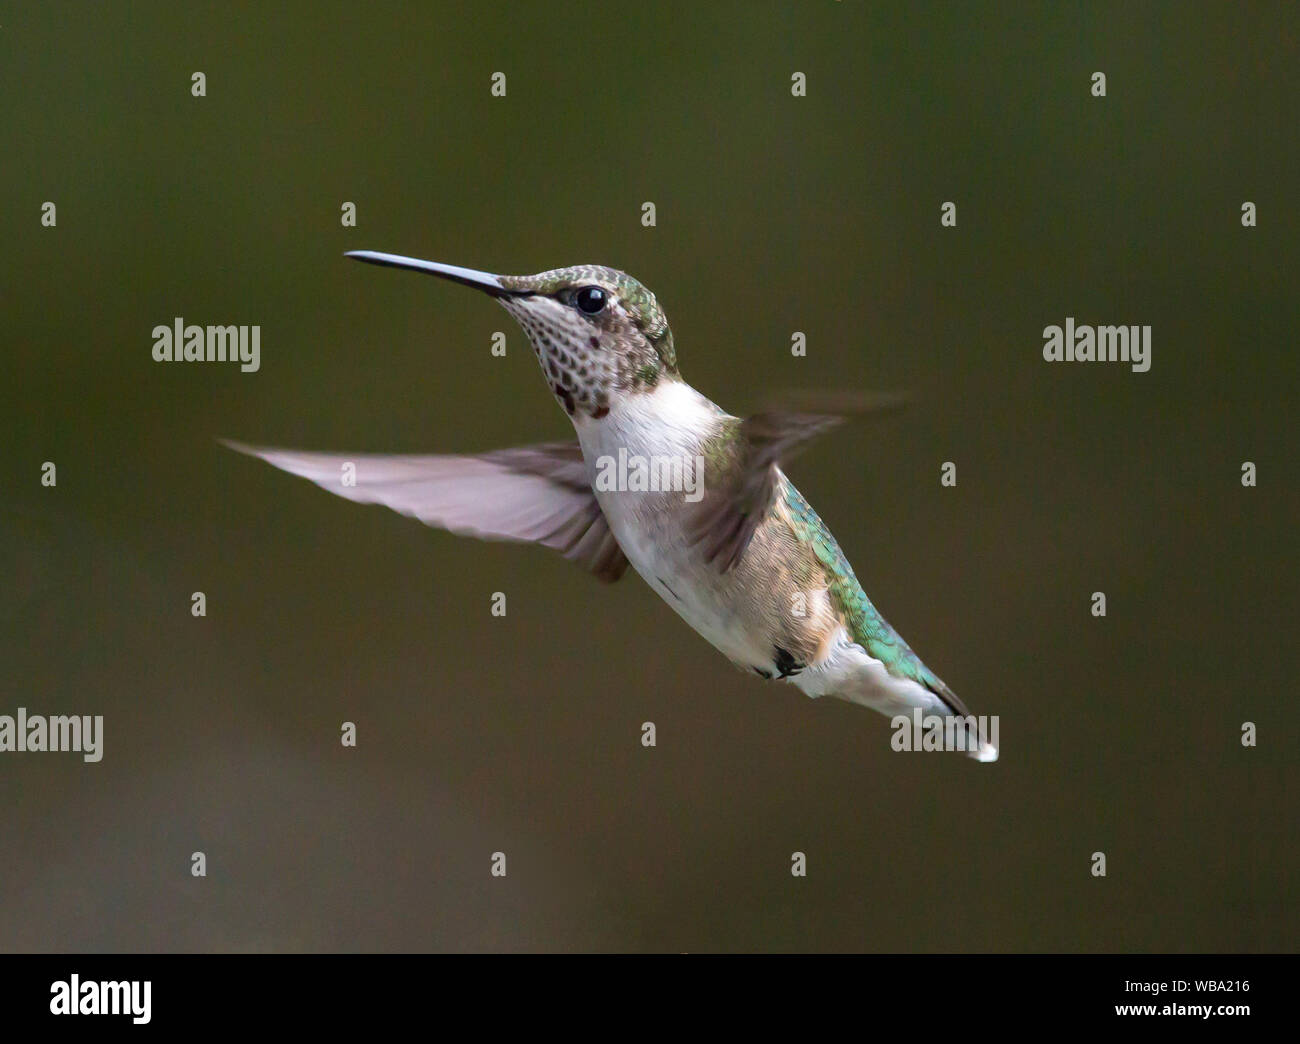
[[672, 420]]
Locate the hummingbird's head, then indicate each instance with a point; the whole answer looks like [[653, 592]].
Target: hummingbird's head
[[598, 333]]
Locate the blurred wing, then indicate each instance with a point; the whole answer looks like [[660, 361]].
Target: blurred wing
[[726, 520], [535, 494]]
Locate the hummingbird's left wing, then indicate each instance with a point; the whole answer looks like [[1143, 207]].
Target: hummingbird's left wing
[[538, 494], [727, 518]]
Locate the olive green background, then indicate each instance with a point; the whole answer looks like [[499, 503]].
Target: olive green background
[[775, 214]]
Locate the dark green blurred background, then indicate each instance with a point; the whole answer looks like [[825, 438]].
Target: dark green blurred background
[[775, 214]]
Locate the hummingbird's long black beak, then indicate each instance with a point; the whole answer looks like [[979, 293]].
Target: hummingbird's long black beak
[[484, 281]]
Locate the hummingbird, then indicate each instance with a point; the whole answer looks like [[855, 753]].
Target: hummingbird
[[738, 553]]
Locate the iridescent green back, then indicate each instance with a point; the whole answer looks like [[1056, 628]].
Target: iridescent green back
[[868, 628]]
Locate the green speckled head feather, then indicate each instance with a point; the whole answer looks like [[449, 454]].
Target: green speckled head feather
[[640, 305], [592, 357]]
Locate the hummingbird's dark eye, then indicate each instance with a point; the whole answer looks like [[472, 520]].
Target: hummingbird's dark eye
[[590, 299]]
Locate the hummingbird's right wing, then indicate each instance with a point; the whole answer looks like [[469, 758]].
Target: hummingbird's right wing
[[538, 494], [728, 516]]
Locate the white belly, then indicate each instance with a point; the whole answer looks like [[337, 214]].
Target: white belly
[[669, 422], [709, 602]]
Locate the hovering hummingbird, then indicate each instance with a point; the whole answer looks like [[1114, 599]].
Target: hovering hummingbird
[[745, 560]]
